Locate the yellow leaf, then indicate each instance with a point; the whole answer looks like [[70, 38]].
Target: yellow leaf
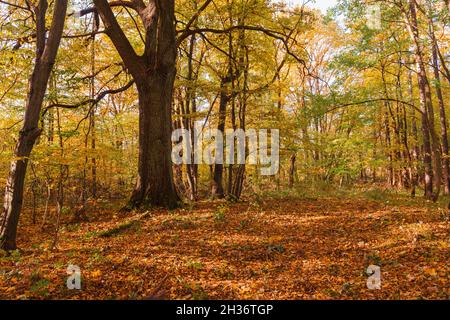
[[96, 273], [431, 271]]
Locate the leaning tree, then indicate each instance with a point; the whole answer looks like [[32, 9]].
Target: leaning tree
[[46, 50]]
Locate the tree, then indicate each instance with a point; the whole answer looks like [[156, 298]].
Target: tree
[[46, 51], [440, 97], [431, 148], [154, 75]]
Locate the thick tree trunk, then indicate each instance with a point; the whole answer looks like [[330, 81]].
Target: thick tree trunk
[[154, 186], [154, 75], [14, 190], [427, 160]]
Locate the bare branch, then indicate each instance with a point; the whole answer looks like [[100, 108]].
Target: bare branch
[[15, 5], [93, 102], [126, 4]]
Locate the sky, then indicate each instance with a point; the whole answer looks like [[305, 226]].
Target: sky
[[323, 5]]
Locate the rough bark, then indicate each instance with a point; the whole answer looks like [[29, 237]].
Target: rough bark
[[154, 75], [154, 186]]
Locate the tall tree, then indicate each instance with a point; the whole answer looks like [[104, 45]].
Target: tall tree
[[432, 148], [442, 113], [46, 51], [154, 75]]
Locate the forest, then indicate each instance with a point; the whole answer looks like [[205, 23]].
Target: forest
[[224, 149]]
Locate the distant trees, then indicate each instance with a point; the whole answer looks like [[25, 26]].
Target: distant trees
[[416, 59]]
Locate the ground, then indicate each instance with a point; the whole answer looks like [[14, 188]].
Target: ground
[[279, 248]]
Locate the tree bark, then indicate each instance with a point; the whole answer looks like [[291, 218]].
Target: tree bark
[[189, 122], [442, 114], [217, 190], [432, 157], [292, 170], [415, 148], [46, 50], [154, 74], [154, 186]]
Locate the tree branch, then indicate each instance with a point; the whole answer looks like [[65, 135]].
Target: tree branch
[[15, 5], [271, 33], [126, 4], [195, 17], [370, 101], [119, 39], [93, 102]]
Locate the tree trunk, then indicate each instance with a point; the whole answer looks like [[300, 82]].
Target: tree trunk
[[154, 186], [443, 117], [391, 176], [432, 157], [46, 51], [154, 74], [63, 173], [217, 190], [415, 148], [292, 171], [189, 122]]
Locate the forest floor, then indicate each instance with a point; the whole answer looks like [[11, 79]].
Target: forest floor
[[284, 247]]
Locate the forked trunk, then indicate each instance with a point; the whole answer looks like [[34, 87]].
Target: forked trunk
[[154, 75]]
